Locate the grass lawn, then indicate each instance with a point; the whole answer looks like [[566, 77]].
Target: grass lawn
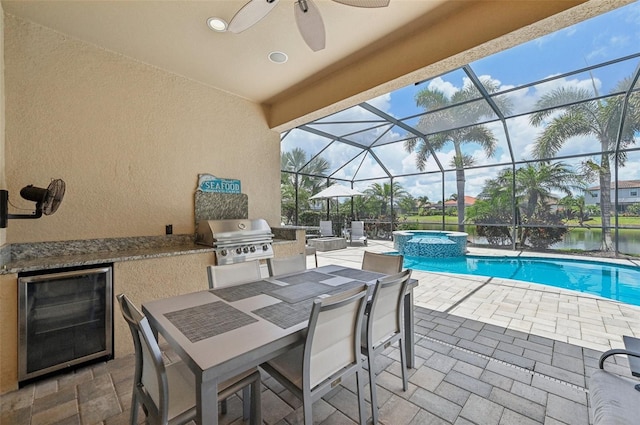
[[597, 222], [436, 219]]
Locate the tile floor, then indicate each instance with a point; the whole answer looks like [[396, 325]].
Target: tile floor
[[488, 351]]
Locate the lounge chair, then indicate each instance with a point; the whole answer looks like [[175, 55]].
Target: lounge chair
[[357, 233], [326, 229]]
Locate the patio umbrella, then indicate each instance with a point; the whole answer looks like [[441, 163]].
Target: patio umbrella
[[336, 191]]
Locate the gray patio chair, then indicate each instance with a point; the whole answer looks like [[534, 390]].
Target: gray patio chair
[[330, 353], [382, 263], [326, 228], [233, 274], [384, 326], [287, 265], [357, 233], [167, 393], [230, 275]]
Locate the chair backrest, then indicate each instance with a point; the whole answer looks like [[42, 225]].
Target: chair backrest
[[382, 263], [333, 336], [287, 265], [326, 228], [357, 229], [233, 274], [150, 377], [385, 313]]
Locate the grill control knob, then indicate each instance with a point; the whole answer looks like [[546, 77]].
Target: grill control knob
[[265, 247], [238, 250], [223, 252], [245, 249], [252, 248]]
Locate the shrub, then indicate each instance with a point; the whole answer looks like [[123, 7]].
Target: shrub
[[310, 218]]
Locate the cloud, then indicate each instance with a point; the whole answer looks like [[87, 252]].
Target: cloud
[[444, 86], [382, 102]]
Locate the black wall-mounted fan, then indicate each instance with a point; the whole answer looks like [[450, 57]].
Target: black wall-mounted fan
[[47, 201]]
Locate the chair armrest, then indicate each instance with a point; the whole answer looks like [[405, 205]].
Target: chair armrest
[[614, 352]]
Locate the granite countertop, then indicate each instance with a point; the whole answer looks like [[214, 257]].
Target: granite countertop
[[18, 258]]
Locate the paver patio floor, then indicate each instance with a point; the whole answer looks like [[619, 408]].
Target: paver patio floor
[[488, 351]]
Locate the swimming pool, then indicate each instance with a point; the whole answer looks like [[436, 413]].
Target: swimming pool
[[616, 282]]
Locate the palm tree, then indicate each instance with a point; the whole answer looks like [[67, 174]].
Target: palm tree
[[407, 204], [574, 205], [599, 118], [383, 192], [423, 201], [494, 205], [294, 161], [472, 112], [535, 185]]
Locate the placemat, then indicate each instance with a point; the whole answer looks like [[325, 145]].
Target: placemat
[[309, 276], [300, 292], [363, 275], [346, 286], [285, 315], [207, 320], [246, 290]]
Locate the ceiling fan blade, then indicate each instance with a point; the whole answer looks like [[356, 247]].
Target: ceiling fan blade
[[364, 3], [310, 24], [250, 14]]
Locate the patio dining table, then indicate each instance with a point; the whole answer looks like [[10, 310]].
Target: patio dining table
[[221, 332]]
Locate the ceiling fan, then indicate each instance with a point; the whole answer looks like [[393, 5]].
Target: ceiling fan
[[307, 16]]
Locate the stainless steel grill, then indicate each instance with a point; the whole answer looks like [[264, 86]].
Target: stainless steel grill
[[236, 241]]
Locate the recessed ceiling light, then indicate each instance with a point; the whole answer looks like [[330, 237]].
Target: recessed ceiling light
[[278, 57], [217, 24]]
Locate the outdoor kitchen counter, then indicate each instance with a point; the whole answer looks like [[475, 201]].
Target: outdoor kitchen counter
[[145, 268], [288, 241], [25, 257]]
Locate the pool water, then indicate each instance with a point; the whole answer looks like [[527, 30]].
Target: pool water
[[616, 282]]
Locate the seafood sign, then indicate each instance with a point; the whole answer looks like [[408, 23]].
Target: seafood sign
[[210, 183]]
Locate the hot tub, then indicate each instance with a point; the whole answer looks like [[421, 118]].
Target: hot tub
[[430, 243]]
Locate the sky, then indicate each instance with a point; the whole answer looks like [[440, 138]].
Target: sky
[[598, 40]]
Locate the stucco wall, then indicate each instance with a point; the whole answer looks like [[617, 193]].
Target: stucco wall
[[3, 185], [128, 139], [147, 280]]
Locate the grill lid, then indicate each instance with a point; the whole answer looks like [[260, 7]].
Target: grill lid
[[218, 233]]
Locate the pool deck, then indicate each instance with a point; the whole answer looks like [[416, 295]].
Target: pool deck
[[562, 315]]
